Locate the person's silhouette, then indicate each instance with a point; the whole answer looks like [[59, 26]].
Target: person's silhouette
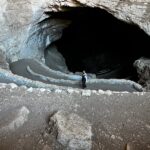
[[84, 79]]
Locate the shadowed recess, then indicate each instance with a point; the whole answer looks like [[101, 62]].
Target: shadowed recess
[[97, 42]]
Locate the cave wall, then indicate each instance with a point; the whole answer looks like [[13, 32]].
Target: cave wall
[[25, 33]]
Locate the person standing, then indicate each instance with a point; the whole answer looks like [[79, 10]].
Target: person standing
[[84, 79]]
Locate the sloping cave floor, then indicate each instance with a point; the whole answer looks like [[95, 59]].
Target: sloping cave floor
[[116, 119]]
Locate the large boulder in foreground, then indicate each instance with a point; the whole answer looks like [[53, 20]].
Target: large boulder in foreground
[[73, 132]]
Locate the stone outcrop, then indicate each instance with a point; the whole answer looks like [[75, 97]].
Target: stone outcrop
[[73, 131], [143, 69]]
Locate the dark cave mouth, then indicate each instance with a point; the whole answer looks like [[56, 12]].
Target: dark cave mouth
[[99, 43]]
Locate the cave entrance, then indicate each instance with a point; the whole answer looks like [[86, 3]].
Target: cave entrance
[[98, 43]]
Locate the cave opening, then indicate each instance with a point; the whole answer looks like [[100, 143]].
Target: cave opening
[[99, 43]]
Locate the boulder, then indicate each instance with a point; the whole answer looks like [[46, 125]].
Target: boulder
[[143, 69], [73, 132]]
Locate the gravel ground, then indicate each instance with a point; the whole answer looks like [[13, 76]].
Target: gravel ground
[[116, 118]]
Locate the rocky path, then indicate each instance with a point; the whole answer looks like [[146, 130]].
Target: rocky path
[[110, 120], [92, 84]]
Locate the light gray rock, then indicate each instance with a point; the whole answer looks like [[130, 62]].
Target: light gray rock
[[86, 93], [73, 132], [13, 85], [15, 120]]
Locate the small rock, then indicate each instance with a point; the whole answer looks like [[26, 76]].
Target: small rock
[[94, 91], [30, 89], [73, 131], [41, 141], [108, 92], [42, 89], [101, 92], [26, 136], [70, 91], [113, 137], [12, 85], [86, 93], [58, 91], [23, 87]]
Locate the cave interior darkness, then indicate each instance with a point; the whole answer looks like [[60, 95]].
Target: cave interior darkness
[[99, 43]]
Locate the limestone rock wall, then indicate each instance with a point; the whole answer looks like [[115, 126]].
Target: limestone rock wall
[[22, 35]]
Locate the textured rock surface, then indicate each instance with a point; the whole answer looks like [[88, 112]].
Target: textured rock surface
[[73, 131], [55, 60], [21, 34], [3, 62], [24, 34], [143, 69], [15, 120], [116, 118]]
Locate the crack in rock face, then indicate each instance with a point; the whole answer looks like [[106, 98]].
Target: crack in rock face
[[53, 42]]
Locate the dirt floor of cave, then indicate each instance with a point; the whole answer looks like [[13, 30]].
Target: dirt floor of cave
[[116, 118]]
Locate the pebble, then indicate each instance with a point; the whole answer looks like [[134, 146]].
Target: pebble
[[86, 93], [12, 85], [113, 137], [30, 89]]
